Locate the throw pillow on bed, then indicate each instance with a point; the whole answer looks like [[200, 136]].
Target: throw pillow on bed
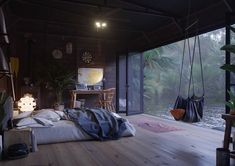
[[26, 122], [23, 115], [34, 122], [48, 114], [62, 115], [43, 121]]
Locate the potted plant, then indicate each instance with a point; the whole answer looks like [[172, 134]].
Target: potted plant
[[58, 78], [230, 68], [231, 103]]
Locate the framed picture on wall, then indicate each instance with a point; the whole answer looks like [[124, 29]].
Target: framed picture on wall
[[90, 76]]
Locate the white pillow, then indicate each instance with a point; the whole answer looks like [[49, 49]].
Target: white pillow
[[26, 122], [44, 122], [23, 115], [61, 114], [47, 114]]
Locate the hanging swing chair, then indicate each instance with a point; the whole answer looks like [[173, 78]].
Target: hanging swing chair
[[190, 109]]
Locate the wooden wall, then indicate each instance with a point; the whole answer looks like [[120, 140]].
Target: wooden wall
[[34, 50]]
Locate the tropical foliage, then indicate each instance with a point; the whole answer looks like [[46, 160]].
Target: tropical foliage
[[231, 102], [162, 71], [57, 78], [230, 68]]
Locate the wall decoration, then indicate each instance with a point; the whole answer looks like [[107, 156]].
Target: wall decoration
[[57, 54], [69, 48], [87, 57], [90, 76]]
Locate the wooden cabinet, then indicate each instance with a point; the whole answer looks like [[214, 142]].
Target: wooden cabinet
[[35, 91]]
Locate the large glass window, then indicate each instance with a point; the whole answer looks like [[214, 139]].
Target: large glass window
[[162, 71]]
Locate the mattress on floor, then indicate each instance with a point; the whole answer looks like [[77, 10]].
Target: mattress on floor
[[62, 131]]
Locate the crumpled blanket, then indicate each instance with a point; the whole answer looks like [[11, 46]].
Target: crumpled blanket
[[98, 123]]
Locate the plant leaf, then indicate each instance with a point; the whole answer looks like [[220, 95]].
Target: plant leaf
[[230, 105], [229, 47], [231, 95], [228, 67]]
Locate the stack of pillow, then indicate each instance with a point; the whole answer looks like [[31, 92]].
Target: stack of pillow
[[39, 118]]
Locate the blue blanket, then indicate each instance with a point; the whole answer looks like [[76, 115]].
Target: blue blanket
[[98, 123]]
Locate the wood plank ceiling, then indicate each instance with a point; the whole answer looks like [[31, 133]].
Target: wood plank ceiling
[[132, 24]]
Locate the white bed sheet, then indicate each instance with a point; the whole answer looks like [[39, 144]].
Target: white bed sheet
[[64, 131]]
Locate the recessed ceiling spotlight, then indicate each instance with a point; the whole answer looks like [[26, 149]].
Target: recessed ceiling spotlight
[[97, 24], [100, 24], [104, 24]]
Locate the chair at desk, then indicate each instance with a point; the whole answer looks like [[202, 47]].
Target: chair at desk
[[106, 99]]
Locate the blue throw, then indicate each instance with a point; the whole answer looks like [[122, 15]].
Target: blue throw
[[98, 123]]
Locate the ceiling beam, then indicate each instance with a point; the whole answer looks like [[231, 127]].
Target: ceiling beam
[[130, 10], [76, 36], [172, 16], [47, 21], [3, 2], [228, 5], [49, 8], [158, 10]]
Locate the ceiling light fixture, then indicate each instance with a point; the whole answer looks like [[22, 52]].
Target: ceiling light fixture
[[100, 24]]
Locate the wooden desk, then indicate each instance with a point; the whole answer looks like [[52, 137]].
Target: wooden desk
[[229, 119], [74, 93]]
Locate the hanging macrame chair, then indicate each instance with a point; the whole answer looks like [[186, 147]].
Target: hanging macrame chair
[[190, 109]]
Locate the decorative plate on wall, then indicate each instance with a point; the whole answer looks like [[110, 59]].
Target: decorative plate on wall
[[87, 57], [57, 54]]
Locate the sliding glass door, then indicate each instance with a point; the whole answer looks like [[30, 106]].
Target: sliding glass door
[[121, 84], [130, 83], [134, 83]]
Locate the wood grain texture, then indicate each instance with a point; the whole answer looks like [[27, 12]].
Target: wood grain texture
[[191, 146]]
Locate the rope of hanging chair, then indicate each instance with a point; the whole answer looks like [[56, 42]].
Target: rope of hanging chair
[[190, 59], [196, 40], [200, 58], [186, 38], [182, 62], [191, 68], [181, 69]]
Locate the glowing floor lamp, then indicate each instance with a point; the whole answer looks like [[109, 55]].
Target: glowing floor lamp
[[5, 70], [27, 103]]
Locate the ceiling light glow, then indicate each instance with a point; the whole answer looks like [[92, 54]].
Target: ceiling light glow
[[100, 24], [97, 24], [104, 24]]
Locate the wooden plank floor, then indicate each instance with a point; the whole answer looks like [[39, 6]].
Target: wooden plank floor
[[191, 146]]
